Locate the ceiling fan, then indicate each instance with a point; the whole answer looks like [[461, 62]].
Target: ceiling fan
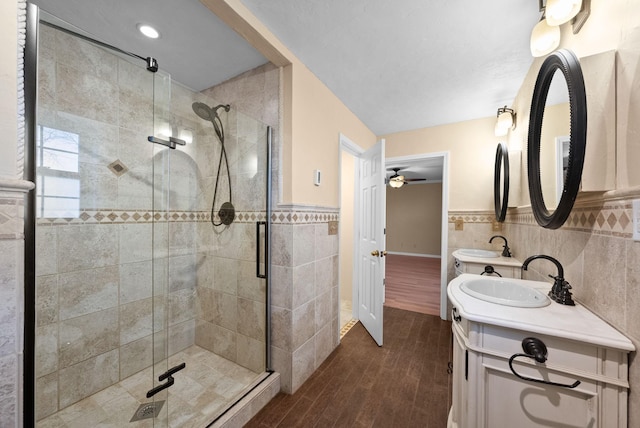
[[397, 180]]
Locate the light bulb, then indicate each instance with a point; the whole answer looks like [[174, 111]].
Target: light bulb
[[557, 12], [148, 31], [500, 131], [544, 39]]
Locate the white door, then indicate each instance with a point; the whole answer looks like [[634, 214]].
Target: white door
[[371, 239]]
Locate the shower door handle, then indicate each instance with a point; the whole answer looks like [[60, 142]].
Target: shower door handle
[[266, 239]]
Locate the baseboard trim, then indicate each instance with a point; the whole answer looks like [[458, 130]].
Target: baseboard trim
[[398, 253]]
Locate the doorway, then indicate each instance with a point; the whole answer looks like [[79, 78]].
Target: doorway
[[349, 154], [414, 234]]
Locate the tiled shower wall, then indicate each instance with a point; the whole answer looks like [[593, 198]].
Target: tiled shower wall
[[601, 261], [95, 271], [305, 307]]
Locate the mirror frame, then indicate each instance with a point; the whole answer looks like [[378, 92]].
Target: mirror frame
[[565, 61], [501, 166]]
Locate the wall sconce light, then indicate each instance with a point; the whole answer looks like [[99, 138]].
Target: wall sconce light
[[545, 37], [506, 120]]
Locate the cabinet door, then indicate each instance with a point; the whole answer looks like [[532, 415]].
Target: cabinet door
[[459, 399], [508, 401]]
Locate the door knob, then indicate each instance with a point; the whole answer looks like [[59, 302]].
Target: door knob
[[384, 253], [375, 253]]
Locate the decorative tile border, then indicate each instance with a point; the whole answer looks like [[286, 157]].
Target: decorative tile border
[[611, 218], [472, 216], [303, 217], [107, 216]]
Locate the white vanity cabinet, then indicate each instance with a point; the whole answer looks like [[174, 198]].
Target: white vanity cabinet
[[507, 267], [580, 347]]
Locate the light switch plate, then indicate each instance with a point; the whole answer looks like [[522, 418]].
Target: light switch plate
[[636, 219]]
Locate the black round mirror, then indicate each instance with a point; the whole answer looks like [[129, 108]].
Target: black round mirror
[[562, 63], [501, 182]]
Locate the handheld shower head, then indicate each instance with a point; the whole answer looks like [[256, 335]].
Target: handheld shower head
[[208, 113], [227, 210], [202, 110]]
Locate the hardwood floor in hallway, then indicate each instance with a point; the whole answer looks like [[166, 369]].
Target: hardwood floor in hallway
[[413, 283], [404, 383]]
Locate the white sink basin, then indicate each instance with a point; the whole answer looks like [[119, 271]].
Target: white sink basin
[[505, 292], [471, 252]]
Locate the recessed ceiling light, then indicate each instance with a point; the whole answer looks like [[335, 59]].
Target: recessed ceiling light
[[148, 31]]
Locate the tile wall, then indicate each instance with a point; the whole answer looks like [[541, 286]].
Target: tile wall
[[305, 301], [11, 298]]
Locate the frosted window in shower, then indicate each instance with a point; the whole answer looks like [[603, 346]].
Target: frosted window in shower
[[58, 181]]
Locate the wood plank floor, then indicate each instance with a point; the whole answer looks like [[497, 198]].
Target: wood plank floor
[[404, 383], [413, 283]]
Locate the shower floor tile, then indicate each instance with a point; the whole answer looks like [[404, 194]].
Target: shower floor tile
[[201, 391]]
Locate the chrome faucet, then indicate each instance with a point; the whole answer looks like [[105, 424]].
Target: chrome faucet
[[506, 252], [560, 291]]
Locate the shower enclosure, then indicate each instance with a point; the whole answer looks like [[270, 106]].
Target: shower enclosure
[[151, 298]]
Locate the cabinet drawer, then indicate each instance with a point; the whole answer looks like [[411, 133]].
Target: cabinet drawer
[[561, 353], [505, 271]]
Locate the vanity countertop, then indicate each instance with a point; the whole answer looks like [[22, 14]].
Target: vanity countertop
[[494, 261], [569, 322]]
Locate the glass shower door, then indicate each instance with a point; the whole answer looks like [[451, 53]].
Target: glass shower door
[[98, 274]]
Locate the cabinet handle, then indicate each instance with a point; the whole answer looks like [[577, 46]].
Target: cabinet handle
[[456, 317], [529, 379], [488, 269]]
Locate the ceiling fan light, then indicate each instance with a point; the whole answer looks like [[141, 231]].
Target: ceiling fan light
[[396, 184], [558, 12], [544, 38]]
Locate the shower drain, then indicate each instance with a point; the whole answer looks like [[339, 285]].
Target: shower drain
[[147, 411]]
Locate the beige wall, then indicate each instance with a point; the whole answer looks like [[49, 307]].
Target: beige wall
[[313, 117], [472, 147], [8, 89], [414, 219], [347, 205], [319, 117]]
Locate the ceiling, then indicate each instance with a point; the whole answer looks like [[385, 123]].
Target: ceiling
[[411, 65], [428, 168]]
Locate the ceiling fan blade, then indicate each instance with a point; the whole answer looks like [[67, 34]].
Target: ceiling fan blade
[[415, 179]]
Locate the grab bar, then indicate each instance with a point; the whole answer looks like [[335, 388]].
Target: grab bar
[[171, 143]]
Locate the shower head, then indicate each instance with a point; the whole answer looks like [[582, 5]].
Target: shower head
[[206, 112], [202, 110]]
